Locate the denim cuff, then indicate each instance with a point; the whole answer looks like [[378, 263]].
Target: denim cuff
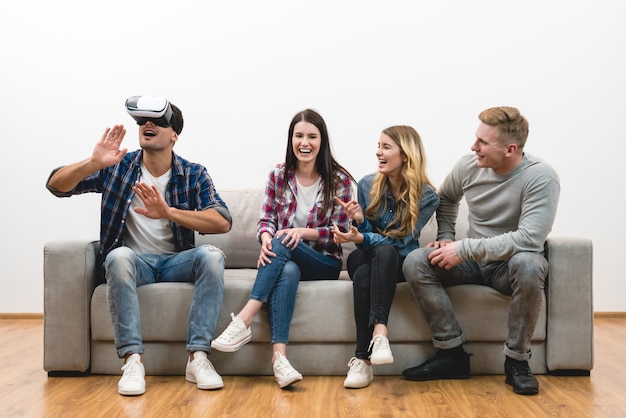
[[129, 349]]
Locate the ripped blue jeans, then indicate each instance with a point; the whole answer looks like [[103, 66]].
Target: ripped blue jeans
[[126, 270]]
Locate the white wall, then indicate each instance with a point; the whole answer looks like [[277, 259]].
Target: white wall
[[241, 70]]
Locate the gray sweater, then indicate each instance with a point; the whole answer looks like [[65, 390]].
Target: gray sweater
[[508, 213]]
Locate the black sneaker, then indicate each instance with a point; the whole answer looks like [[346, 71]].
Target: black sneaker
[[446, 364], [519, 376]]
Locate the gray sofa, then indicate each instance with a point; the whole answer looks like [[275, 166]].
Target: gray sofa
[[78, 336]]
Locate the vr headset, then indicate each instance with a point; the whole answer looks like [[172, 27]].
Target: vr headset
[[157, 110]]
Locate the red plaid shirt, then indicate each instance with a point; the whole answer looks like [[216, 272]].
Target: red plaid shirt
[[279, 209]]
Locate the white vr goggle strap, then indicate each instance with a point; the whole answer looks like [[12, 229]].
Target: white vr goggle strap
[[154, 109]]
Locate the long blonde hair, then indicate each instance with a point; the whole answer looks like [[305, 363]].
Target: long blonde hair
[[414, 178]]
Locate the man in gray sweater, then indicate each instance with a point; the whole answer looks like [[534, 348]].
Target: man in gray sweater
[[512, 199]]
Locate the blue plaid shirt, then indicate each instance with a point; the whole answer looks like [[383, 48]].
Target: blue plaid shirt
[[190, 188]]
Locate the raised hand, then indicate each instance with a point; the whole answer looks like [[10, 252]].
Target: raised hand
[[107, 151], [155, 205], [352, 208], [352, 235]]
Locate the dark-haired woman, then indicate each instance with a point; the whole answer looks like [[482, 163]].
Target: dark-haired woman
[[296, 235]]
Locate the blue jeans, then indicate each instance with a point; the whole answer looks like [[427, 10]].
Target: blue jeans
[[125, 270], [276, 283], [375, 272], [522, 277]]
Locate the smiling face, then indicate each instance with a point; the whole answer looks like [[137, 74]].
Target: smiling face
[[391, 159], [306, 142], [156, 138], [489, 150]]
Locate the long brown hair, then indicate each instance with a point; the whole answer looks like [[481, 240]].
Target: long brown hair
[[325, 163]]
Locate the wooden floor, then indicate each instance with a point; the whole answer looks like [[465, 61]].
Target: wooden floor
[[27, 391]]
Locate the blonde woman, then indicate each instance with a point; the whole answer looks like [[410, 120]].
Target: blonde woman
[[393, 206]]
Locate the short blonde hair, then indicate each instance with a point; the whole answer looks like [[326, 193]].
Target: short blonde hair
[[509, 123]]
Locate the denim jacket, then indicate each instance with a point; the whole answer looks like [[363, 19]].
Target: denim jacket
[[370, 227]]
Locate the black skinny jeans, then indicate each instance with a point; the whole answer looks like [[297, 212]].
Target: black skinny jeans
[[374, 273]]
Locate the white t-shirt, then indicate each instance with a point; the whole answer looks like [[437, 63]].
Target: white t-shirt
[[305, 200], [145, 235]]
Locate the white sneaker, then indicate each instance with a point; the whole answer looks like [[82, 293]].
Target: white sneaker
[[132, 382], [381, 353], [360, 374], [233, 337], [284, 372], [201, 372]]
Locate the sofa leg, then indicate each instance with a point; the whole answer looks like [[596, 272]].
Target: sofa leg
[[569, 372], [62, 373]]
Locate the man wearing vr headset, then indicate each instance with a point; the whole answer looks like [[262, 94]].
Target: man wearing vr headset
[[152, 203]]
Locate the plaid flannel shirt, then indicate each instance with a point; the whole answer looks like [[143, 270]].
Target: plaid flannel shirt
[[190, 188], [279, 209]]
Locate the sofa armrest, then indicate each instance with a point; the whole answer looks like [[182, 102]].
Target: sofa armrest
[[569, 339], [69, 280]]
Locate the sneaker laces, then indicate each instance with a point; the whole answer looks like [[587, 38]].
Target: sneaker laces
[[356, 366], [282, 367], [233, 329], [132, 371], [203, 364], [379, 342]]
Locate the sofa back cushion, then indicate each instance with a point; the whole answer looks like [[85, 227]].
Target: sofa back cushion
[[241, 247], [239, 244], [429, 232]]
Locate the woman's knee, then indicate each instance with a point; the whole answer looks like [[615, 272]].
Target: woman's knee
[[355, 260], [361, 277], [278, 246], [386, 252], [291, 272]]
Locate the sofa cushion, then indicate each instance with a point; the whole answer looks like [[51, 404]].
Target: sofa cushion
[[239, 244], [324, 312]]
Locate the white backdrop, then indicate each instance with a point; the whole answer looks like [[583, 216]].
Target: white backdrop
[[240, 70]]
